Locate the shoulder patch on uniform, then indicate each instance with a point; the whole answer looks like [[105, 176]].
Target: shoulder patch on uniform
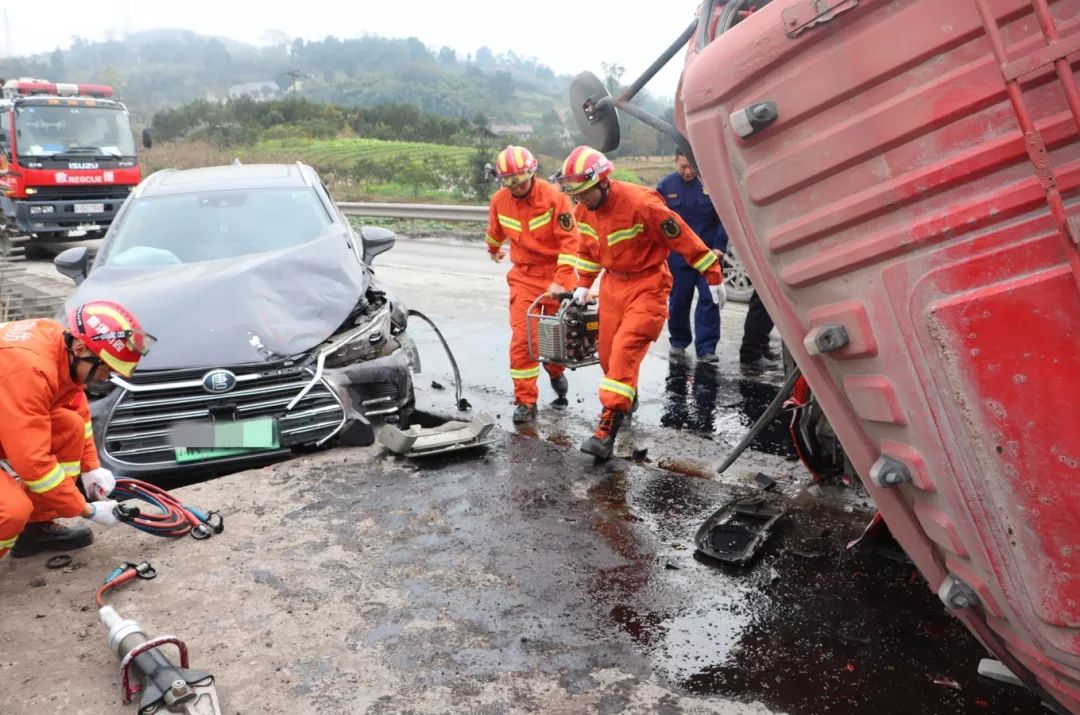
[[566, 221], [673, 196], [671, 228]]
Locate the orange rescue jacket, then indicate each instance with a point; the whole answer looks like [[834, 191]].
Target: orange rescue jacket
[[35, 379], [540, 227], [633, 232]]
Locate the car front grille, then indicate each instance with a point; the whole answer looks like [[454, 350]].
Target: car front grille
[[139, 427]]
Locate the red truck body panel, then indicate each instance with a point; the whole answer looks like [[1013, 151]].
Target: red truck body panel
[[898, 194]]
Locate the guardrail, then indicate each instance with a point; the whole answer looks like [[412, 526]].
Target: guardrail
[[428, 212]]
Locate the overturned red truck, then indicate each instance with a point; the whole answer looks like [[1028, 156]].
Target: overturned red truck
[[67, 158], [900, 178]]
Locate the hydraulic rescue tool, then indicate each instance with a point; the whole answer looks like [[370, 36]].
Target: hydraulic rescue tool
[[165, 687], [569, 336]]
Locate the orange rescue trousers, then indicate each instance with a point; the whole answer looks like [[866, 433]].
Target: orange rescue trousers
[[633, 310], [526, 283], [19, 505]]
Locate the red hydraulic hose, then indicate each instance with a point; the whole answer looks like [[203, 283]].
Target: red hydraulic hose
[[126, 576], [173, 518]]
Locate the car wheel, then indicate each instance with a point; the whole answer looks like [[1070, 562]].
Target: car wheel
[[738, 285]]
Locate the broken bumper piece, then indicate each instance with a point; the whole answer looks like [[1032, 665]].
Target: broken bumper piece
[[452, 436]]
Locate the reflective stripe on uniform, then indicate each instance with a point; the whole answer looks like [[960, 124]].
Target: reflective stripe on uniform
[[88, 430], [527, 374], [542, 220], [625, 234], [510, 223], [566, 259], [50, 481], [619, 388], [8, 543], [705, 262], [492, 241], [71, 469], [588, 266], [587, 230]]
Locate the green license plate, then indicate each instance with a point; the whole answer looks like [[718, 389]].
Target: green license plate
[[202, 441]]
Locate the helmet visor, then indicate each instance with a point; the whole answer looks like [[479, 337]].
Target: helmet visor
[[135, 340], [515, 179]]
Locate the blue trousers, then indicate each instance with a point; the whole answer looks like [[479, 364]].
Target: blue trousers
[[706, 317]]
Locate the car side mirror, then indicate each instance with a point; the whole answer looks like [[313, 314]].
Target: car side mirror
[[147, 138], [376, 240], [74, 263]]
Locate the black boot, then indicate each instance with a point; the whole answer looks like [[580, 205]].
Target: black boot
[[602, 444], [50, 536], [561, 386], [524, 413]]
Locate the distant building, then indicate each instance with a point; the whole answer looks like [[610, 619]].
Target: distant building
[[518, 130], [259, 91]]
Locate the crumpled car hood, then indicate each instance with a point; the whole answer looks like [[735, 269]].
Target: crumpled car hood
[[251, 309]]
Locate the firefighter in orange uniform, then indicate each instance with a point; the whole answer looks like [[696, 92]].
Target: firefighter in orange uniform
[[45, 433], [538, 221], [628, 232]]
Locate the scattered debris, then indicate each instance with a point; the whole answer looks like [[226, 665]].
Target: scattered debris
[[738, 529], [996, 670], [805, 554], [671, 567], [947, 683], [451, 436], [764, 481], [640, 454], [851, 667], [58, 562], [815, 491], [436, 385]]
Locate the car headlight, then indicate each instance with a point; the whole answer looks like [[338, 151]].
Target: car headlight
[[360, 343]]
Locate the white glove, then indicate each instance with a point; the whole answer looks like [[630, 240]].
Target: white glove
[[719, 294], [581, 295], [103, 512], [99, 483]]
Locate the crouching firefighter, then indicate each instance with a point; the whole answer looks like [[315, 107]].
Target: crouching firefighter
[[539, 223], [627, 231], [46, 440]]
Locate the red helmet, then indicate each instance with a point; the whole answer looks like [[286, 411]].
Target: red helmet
[[111, 332], [582, 170], [515, 165]]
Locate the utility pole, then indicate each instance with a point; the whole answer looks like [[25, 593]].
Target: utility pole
[[296, 76]]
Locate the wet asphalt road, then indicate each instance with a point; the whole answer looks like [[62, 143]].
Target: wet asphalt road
[[807, 628]]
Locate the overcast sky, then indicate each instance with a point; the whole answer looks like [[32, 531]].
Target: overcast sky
[[567, 35]]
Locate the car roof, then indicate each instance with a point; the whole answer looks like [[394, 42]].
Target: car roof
[[225, 178]]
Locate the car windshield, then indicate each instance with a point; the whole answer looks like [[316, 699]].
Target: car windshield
[[82, 131], [207, 226]]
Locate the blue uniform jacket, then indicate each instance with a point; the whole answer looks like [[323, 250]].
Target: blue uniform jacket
[[692, 203]]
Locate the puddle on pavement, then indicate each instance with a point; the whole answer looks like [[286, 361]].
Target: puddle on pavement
[[807, 627]]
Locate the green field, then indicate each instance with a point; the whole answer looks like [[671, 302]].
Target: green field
[[363, 169], [331, 154]]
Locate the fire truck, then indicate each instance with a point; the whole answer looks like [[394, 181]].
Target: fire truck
[[67, 159]]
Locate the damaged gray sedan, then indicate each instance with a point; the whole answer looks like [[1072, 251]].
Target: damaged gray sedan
[[267, 314]]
